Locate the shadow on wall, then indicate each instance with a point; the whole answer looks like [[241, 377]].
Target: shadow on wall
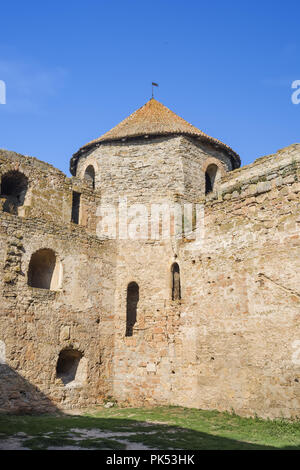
[[18, 396]]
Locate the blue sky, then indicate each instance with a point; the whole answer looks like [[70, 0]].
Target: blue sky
[[74, 69]]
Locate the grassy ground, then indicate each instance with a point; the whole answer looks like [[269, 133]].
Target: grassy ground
[[155, 428]]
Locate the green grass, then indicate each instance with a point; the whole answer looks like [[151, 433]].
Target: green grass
[[160, 427]]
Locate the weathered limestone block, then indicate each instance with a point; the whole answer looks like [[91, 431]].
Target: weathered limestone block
[[65, 333]]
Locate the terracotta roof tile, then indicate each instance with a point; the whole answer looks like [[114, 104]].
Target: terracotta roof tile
[[152, 119]]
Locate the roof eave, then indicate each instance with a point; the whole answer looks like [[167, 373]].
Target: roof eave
[[235, 158]]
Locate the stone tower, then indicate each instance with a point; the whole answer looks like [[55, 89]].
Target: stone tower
[[152, 157]]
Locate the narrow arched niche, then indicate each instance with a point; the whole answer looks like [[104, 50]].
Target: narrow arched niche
[[44, 270], [89, 175], [71, 367], [176, 286], [131, 307], [212, 174], [14, 186]]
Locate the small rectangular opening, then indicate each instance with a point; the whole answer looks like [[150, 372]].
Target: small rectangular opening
[[75, 207]]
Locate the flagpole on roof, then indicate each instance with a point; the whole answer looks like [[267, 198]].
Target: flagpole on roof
[[153, 84]]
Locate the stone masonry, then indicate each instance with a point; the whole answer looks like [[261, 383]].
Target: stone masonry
[[231, 341]]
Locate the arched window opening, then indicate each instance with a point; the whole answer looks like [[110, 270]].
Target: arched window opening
[[13, 189], [44, 270], [71, 367], [89, 175], [176, 288], [131, 306], [211, 175]]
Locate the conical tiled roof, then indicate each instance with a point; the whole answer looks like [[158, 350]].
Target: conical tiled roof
[[152, 119]]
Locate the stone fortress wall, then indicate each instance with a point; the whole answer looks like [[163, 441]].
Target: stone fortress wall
[[38, 324], [230, 342], [241, 304]]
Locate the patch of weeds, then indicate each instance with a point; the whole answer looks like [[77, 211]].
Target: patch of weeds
[[110, 399]]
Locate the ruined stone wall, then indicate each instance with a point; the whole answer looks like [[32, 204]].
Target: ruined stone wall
[[49, 193], [242, 296], [37, 323], [232, 342]]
